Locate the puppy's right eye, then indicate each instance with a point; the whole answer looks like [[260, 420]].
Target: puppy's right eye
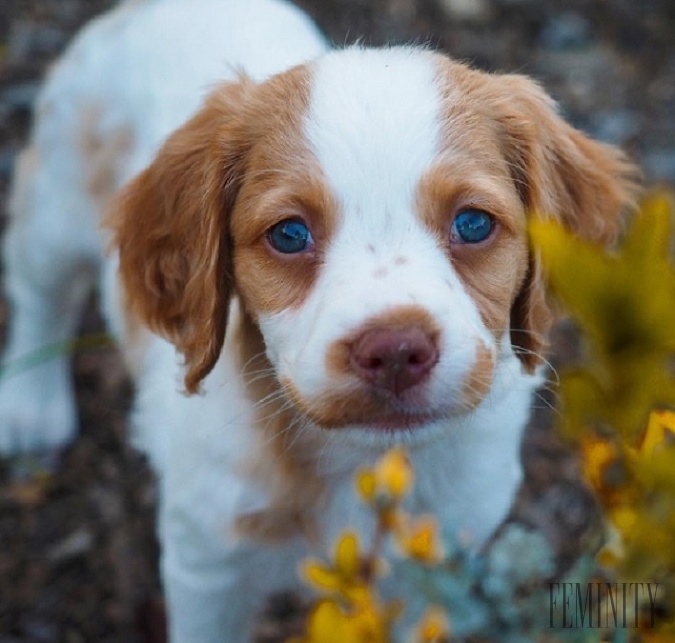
[[290, 236]]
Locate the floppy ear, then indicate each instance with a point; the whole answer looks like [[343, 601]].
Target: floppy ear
[[562, 174], [170, 226]]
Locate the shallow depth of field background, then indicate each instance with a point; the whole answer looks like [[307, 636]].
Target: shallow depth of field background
[[77, 553]]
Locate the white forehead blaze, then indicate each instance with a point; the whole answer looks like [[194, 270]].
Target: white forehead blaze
[[373, 124]]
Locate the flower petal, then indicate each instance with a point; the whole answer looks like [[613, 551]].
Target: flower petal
[[366, 485], [347, 560], [321, 576], [394, 474]]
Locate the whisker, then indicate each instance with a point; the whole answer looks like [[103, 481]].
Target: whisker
[[251, 359], [298, 426], [555, 376], [545, 404]]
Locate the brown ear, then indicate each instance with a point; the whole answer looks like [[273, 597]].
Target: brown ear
[[170, 226], [560, 173]]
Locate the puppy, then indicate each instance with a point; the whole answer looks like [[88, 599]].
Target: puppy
[[320, 263]]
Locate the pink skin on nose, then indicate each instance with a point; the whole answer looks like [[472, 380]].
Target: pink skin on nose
[[393, 360]]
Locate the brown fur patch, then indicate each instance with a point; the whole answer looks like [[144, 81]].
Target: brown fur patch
[[103, 155], [492, 272], [170, 228], [479, 380], [218, 181], [288, 474], [351, 405], [268, 280], [507, 129], [282, 181]]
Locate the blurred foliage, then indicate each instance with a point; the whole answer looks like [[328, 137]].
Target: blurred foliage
[[617, 405]]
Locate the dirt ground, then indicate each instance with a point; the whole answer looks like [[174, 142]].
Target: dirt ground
[[77, 552]]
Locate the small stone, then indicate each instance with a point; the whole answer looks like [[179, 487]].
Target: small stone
[[18, 97], [659, 165], [566, 31], [75, 545], [7, 159], [28, 39], [469, 10], [615, 126], [39, 629]]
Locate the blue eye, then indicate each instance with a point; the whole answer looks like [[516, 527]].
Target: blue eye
[[290, 236], [471, 226]]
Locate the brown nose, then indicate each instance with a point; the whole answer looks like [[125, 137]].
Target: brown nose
[[394, 360]]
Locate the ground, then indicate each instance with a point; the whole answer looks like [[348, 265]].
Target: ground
[[77, 552]]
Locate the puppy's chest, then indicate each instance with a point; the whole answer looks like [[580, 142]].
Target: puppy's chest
[[344, 509], [319, 508]]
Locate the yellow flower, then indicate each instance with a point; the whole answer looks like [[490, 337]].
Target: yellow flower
[[609, 556], [366, 485], [434, 626], [345, 575], [394, 473], [419, 539], [660, 431], [388, 481], [330, 622], [605, 468], [596, 455], [347, 559], [624, 519], [656, 637]]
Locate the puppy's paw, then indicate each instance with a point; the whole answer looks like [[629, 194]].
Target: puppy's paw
[[37, 409]]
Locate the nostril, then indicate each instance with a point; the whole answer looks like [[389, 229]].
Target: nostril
[[416, 358], [374, 363], [394, 359]]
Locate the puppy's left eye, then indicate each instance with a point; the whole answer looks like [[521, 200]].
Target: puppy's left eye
[[290, 236], [471, 226]]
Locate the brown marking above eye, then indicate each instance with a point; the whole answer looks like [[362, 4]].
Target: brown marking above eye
[[493, 269], [282, 180], [471, 171], [556, 171], [268, 279]]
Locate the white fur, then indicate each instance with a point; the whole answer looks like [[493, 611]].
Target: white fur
[[373, 143]]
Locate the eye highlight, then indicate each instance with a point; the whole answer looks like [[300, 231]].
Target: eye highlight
[[290, 236], [471, 226]]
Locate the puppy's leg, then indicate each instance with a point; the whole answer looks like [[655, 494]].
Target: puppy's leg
[[51, 255], [214, 596], [216, 579]]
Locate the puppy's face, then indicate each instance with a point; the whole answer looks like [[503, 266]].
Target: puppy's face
[[382, 255], [369, 210]]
